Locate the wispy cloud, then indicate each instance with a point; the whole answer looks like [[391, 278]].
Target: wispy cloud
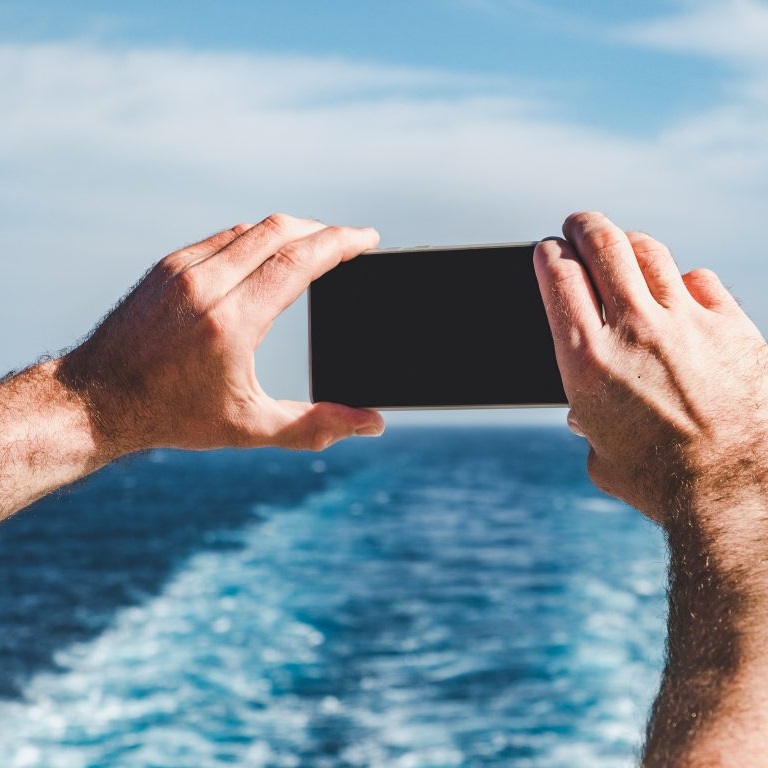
[[731, 138], [735, 30]]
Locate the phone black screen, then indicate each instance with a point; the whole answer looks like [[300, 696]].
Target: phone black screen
[[425, 328]]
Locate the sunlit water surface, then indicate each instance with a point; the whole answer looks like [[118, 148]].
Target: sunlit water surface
[[439, 597]]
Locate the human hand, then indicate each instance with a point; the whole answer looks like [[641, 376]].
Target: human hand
[[669, 386], [173, 364]]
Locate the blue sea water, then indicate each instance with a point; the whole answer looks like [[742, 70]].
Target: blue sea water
[[440, 597]]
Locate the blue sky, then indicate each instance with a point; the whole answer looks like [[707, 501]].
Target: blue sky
[[576, 59], [131, 128]]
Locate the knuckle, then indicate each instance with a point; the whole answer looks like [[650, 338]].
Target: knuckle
[[174, 279], [323, 430], [584, 218], [291, 257], [186, 292], [564, 275], [279, 223], [172, 265], [213, 329], [319, 440], [604, 239], [649, 248], [606, 245], [187, 284], [548, 254], [336, 232], [704, 276], [241, 229]]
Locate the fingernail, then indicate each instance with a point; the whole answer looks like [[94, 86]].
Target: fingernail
[[371, 430]]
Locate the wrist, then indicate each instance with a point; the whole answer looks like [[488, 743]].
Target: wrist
[[111, 412], [718, 571], [84, 416], [46, 436], [717, 632], [723, 515]]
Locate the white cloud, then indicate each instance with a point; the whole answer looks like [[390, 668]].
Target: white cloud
[[736, 30], [112, 158]]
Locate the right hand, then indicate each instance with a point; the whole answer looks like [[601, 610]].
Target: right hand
[[670, 385]]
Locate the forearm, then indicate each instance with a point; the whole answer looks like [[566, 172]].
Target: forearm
[[712, 707], [46, 437], [666, 379]]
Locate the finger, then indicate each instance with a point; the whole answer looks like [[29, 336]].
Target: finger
[[304, 426], [574, 313], [574, 425], [661, 274], [201, 250], [705, 287], [285, 276], [229, 265], [610, 261]]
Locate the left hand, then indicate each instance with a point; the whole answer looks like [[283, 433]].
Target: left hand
[[173, 364]]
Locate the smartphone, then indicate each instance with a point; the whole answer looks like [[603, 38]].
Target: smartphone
[[433, 327]]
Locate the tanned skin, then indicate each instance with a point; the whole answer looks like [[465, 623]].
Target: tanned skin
[[173, 365], [666, 379]]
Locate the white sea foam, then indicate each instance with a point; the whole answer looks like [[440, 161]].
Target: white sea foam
[[201, 675]]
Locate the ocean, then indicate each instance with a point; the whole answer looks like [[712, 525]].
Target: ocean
[[439, 597]]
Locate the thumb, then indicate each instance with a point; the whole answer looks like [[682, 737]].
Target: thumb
[[303, 426]]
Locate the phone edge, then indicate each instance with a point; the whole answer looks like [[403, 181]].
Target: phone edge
[[418, 249]]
